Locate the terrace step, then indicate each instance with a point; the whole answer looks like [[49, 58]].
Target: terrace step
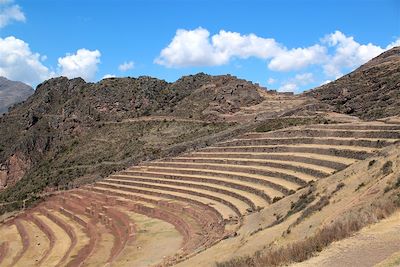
[[335, 141], [39, 244], [303, 168], [62, 242], [285, 174], [251, 187], [102, 251], [278, 184], [225, 211], [319, 132], [357, 126], [149, 200], [205, 214], [33, 217], [350, 152], [193, 223], [76, 212], [251, 199], [4, 248], [330, 162], [11, 234], [79, 233], [235, 204]]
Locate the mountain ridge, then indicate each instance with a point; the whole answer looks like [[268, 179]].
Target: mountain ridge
[[12, 92], [370, 92]]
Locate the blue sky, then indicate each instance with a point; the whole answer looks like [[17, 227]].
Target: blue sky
[[285, 45]]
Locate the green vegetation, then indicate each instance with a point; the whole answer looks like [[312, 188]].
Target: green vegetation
[[96, 154]]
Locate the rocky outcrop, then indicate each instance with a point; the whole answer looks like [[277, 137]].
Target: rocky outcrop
[[13, 170]]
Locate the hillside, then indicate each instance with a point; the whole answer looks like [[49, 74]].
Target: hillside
[[370, 92], [205, 171], [12, 92], [58, 136]]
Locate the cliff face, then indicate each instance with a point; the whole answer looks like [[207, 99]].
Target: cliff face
[[370, 92], [12, 92]]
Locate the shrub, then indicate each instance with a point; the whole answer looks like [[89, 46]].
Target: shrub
[[387, 167], [360, 186], [338, 187], [275, 199], [371, 163]]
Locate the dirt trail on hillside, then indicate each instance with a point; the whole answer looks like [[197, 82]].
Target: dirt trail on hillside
[[369, 247]]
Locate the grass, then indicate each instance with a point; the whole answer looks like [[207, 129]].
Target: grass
[[304, 249]]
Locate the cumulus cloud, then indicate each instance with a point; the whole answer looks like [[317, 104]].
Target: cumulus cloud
[[298, 58], [233, 44], [18, 62], [347, 53], [334, 53], [190, 48], [126, 66], [10, 13], [196, 48], [84, 64]]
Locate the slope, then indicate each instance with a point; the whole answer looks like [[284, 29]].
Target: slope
[[12, 92], [370, 92]]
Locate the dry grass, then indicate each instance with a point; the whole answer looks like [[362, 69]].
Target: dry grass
[[302, 250]]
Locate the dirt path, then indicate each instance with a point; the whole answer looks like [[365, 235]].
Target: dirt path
[[369, 247]]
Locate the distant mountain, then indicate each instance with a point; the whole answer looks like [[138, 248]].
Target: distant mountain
[[370, 92], [12, 92]]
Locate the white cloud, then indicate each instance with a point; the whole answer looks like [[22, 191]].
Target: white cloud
[[325, 82], [10, 13], [126, 66], [288, 87], [348, 53], [108, 76], [334, 54], [84, 64], [233, 44], [271, 81], [298, 58], [393, 44], [195, 48], [293, 84], [18, 62], [304, 78], [190, 48]]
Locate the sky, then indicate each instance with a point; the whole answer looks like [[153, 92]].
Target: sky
[[285, 45]]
